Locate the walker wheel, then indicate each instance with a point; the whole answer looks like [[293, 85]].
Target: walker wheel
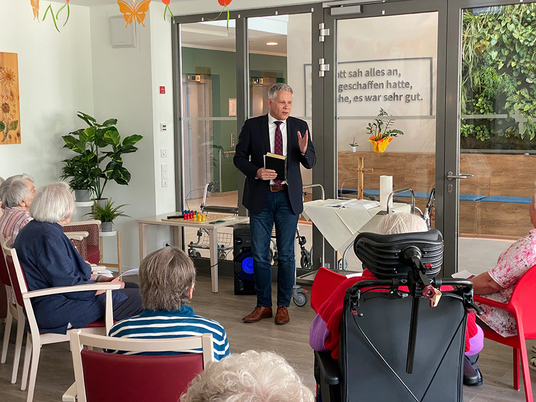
[[194, 253], [305, 260], [299, 298]]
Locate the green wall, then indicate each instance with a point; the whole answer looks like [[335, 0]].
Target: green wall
[[221, 66]]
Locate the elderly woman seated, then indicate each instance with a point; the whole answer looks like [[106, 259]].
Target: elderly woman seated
[[167, 280], [325, 328], [498, 284], [17, 194], [49, 259], [248, 377]]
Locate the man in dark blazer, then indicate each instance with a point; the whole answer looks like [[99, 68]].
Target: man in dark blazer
[[270, 201]]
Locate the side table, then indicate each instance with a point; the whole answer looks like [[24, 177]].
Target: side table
[[112, 233]]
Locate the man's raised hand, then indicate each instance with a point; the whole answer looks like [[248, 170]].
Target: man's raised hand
[[303, 141]]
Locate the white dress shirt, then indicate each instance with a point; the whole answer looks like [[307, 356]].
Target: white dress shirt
[[271, 131]]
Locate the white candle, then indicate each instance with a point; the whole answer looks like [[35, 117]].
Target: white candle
[[386, 188]]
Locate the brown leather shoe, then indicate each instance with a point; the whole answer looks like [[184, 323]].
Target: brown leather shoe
[[281, 317], [258, 314]]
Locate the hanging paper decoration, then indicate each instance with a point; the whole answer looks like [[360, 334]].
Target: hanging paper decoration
[[224, 4], [166, 2], [9, 99], [55, 17], [134, 10], [68, 12], [35, 9]]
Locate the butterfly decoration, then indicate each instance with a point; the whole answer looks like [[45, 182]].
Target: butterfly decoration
[[224, 4], [54, 17], [166, 2], [135, 11], [35, 9]]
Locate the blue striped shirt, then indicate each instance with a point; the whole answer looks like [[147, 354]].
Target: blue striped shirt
[[172, 324]]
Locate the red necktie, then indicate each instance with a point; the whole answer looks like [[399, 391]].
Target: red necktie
[[278, 144]]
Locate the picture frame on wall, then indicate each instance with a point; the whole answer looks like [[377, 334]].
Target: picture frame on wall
[[10, 132]]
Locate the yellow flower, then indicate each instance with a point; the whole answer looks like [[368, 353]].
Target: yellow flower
[[8, 107], [7, 77]]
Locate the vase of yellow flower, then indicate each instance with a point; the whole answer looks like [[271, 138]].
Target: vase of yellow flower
[[380, 133]]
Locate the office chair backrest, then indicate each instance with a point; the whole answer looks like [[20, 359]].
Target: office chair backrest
[[383, 255]]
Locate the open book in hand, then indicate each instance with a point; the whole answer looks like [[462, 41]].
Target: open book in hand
[[277, 163]]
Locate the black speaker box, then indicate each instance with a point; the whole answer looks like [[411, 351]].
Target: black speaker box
[[244, 282]]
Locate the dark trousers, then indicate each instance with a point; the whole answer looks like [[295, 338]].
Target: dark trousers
[[276, 210], [132, 305]]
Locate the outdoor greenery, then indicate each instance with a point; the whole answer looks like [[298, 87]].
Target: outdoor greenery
[[99, 156], [499, 76], [108, 213]]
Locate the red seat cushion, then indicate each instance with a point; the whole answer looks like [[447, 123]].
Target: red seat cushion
[[93, 254]]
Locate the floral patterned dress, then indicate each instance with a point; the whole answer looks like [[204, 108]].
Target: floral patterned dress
[[511, 266]]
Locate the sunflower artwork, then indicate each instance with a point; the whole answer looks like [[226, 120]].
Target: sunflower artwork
[[9, 99]]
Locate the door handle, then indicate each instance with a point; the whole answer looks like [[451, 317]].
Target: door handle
[[460, 176]]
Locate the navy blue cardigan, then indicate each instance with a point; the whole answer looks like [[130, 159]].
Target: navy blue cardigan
[[49, 259]]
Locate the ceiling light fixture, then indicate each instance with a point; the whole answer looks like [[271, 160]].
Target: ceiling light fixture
[[271, 43]]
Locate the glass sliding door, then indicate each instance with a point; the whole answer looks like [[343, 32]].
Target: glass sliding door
[[280, 51], [386, 100], [497, 128], [209, 123]]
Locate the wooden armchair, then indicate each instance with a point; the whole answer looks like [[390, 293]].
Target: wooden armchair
[[85, 237], [151, 377], [35, 338]]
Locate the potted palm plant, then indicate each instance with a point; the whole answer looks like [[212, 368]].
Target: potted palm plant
[[107, 214], [99, 156], [380, 134]]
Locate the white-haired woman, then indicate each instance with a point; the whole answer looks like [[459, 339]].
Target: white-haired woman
[[17, 193], [248, 377], [49, 259], [167, 280]]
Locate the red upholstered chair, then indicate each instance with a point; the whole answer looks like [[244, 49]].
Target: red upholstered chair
[[521, 307], [143, 377], [325, 283], [88, 247], [13, 311], [35, 338]]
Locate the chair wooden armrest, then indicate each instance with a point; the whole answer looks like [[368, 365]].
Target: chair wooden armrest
[[76, 235], [70, 394], [89, 222], [71, 289]]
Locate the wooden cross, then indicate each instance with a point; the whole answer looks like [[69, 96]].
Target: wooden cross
[[361, 171]]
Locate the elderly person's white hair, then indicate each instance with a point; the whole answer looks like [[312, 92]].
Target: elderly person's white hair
[[15, 189], [248, 377], [274, 89], [401, 222], [53, 203]]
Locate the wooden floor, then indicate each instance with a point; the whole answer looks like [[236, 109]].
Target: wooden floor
[[55, 368]]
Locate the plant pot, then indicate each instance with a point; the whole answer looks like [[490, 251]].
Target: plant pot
[[107, 226], [101, 202], [82, 195], [354, 149], [380, 145]]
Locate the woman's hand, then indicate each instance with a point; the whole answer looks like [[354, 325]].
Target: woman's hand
[[108, 279]]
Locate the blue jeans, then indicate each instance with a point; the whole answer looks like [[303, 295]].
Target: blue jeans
[[277, 209]]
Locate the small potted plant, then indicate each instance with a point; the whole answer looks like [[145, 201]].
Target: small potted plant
[[380, 134], [107, 214], [354, 145]]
